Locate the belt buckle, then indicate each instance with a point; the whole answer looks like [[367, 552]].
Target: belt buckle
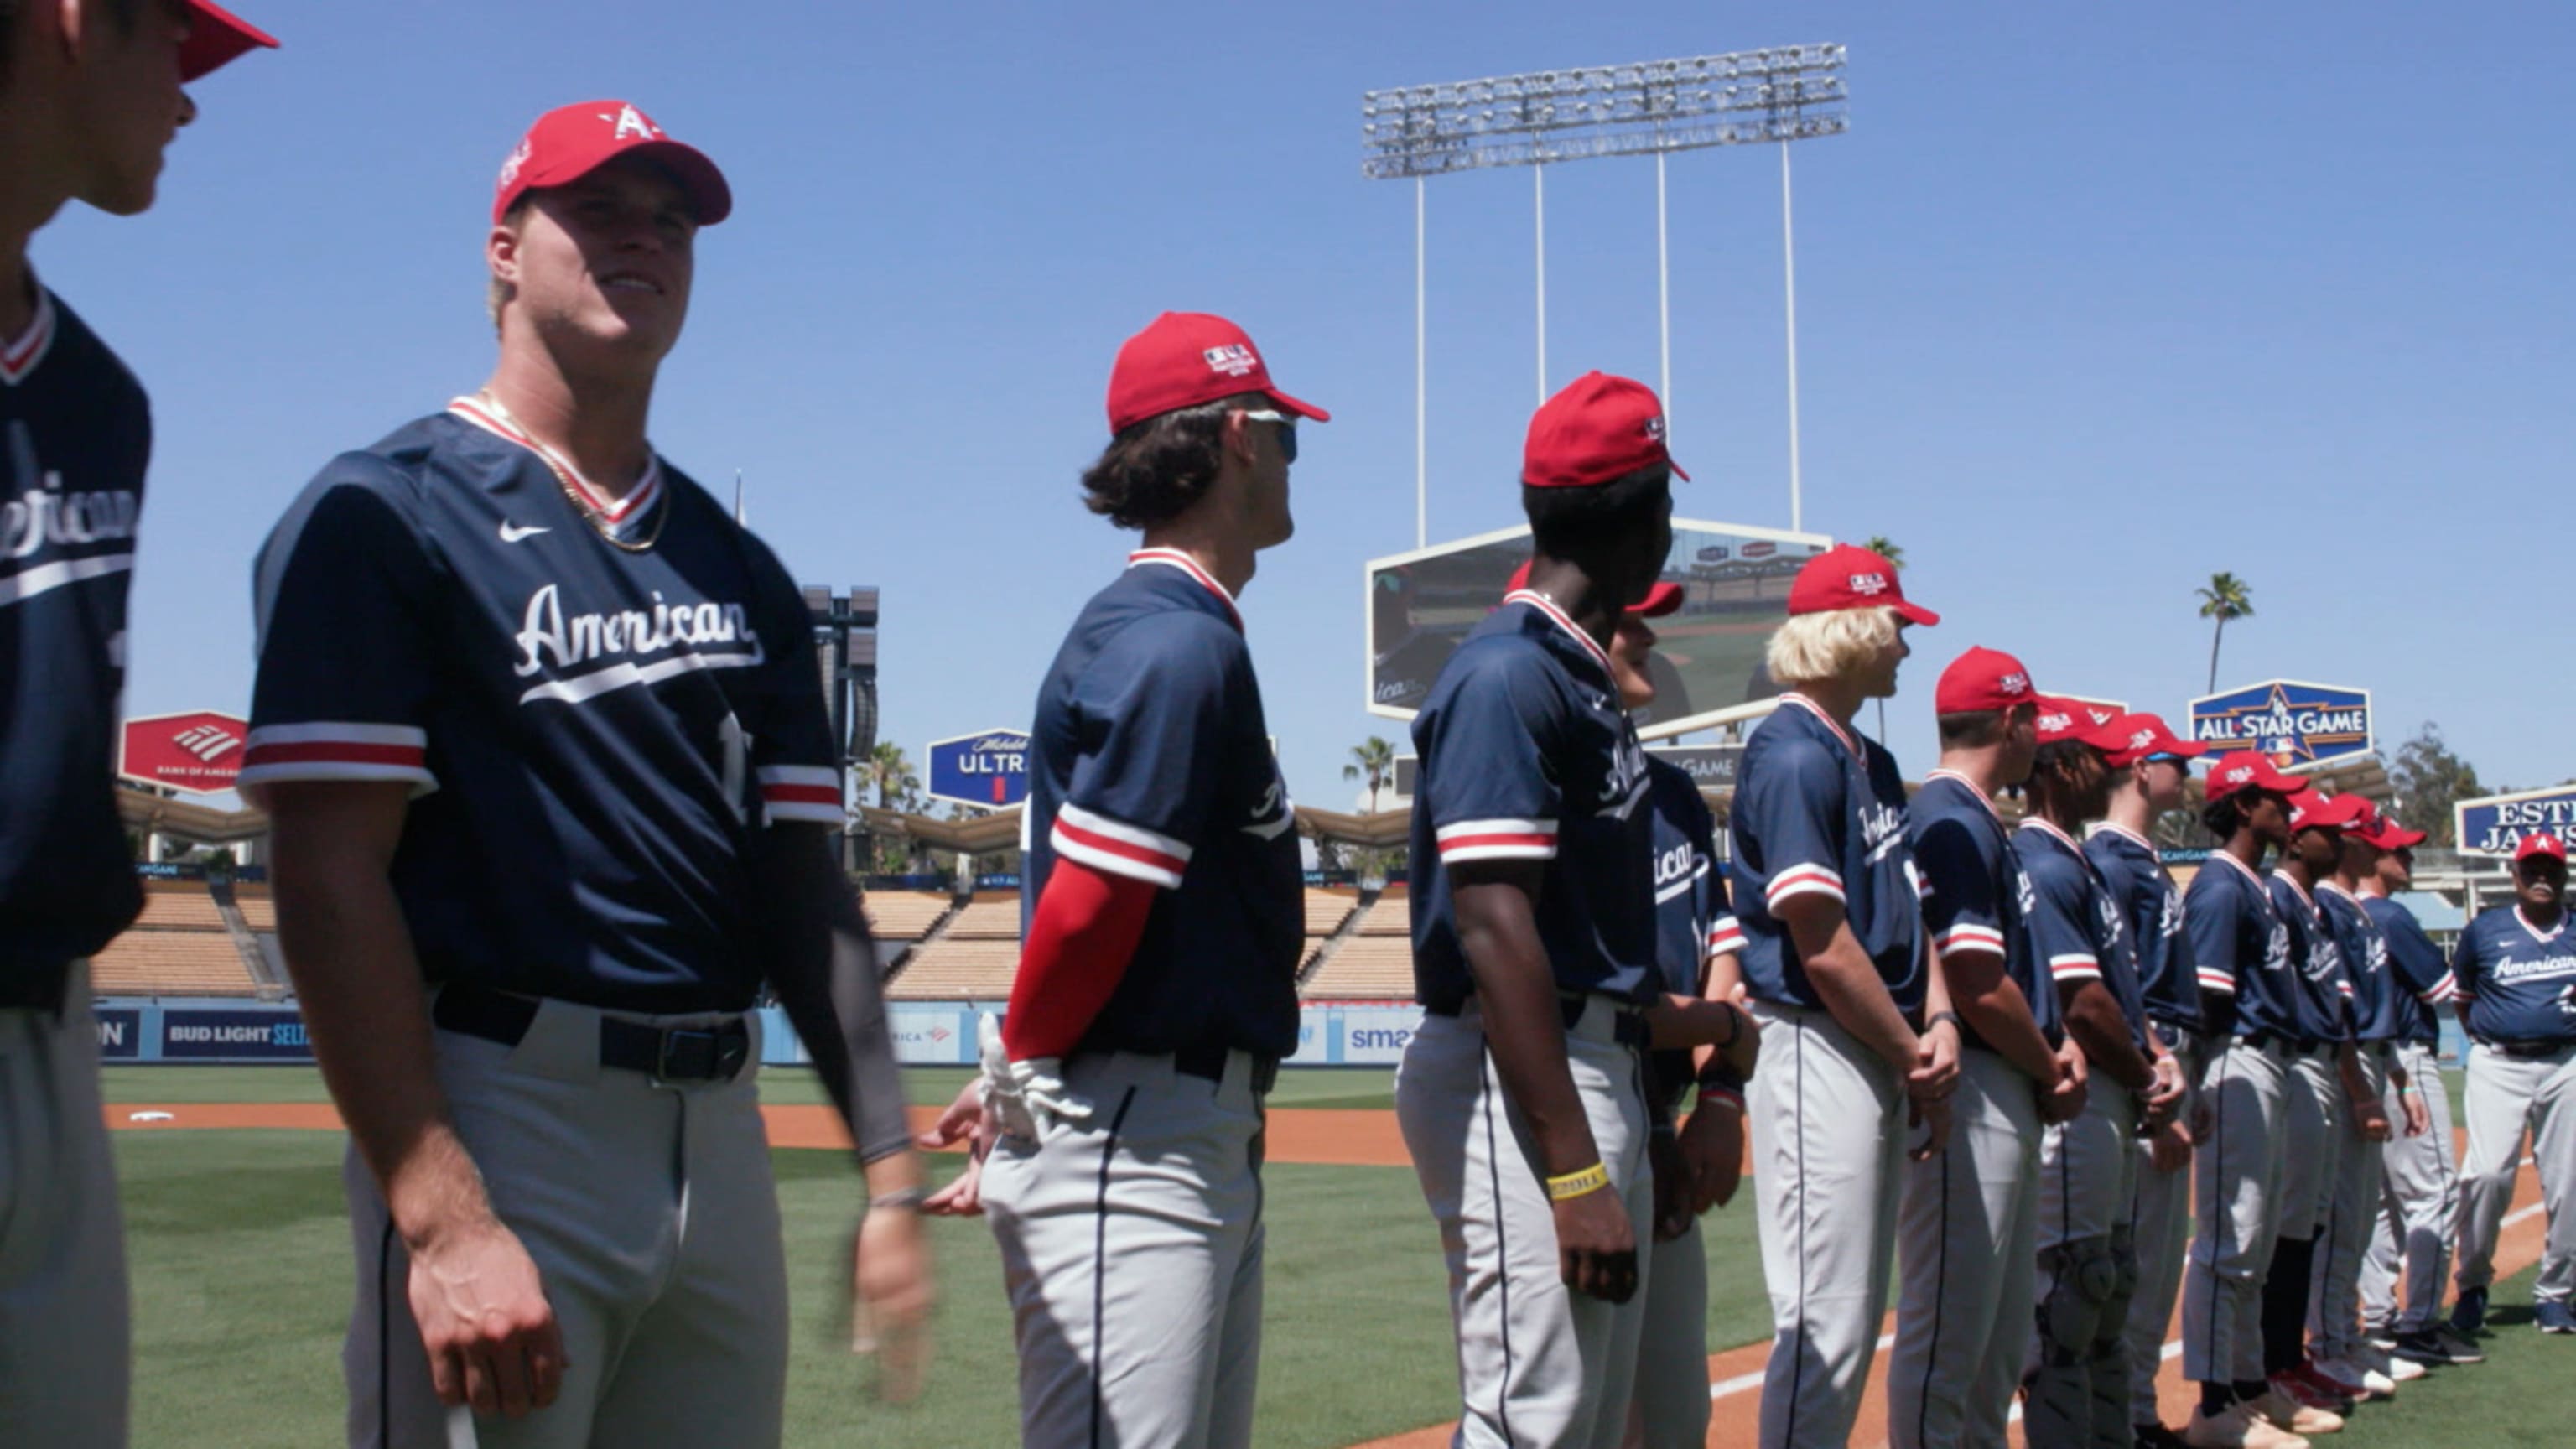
[[687, 1054]]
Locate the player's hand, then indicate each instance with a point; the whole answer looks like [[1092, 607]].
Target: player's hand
[[890, 1298], [1934, 1118], [1596, 1248], [1745, 1051], [2419, 1119], [2370, 1120], [1673, 1213], [2063, 1100], [1713, 1152], [1936, 1064], [491, 1335], [2204, 1119], [2165, 1098], [963, 1197], [2169, 1150]]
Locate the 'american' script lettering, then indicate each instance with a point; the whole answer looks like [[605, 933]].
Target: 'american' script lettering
[[579, 639]]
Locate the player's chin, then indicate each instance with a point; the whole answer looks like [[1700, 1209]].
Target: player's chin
[[131, 192]]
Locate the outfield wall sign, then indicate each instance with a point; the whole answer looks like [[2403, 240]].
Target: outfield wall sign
[[200, 751], [989, 769], [2496, 824], [2296, 723]]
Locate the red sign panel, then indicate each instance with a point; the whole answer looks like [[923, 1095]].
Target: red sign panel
[[201, 751]]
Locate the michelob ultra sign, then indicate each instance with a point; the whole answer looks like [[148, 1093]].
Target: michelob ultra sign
[[2496, 824], [2290, 720]]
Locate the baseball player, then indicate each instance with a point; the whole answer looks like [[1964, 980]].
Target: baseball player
[[2147, 773], [552, 785], [2078, 1380], [1968, 1221], [2339, 1351], [2516, 967], [2249, 1003], [1861, 1042], [1157, 987], [1534, 945], [89, 99], [2415, 1230], [2340, 1109], [1698, 1165]]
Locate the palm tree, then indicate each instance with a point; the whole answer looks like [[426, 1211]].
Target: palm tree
[[891, 776], [1894, 552], [2227, 597], [1374, 762]]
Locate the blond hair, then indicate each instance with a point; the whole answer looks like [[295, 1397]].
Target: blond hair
[[1811, 648]]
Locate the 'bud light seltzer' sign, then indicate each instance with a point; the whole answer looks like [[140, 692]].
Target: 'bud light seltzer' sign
[[988, 769], [2496, 824], [2294, 723]]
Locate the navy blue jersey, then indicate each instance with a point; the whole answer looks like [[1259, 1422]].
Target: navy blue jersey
[[2423, 978], [1526, 755], [1975, 893], [590, 735], [2076, 926], [1692, 921], [1152, 761], [2519, 982], [75, 436], [1819, 811], [2240, 947], [2377, 999], [2138, 880], [2324, 997]]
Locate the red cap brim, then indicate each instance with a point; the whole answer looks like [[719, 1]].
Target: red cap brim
[[1915, 613], [696, 174], [1662, 599], [217, 36], [1301, 409]]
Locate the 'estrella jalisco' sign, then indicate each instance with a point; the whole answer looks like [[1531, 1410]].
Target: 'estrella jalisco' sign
[[989, 768], [2497, 823], [2293, 722]]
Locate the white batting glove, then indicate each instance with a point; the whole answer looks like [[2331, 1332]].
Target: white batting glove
[[1016, 1092]]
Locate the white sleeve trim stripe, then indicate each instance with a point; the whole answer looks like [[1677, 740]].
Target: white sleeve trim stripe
[[2446, 989], [338, 732], [1967, 936], [1499, 848], [2088, 971], [253, 783], [800, 775], [1091, 822], [1791, 887], [2217, 981], [1494, 827], [2075, 958], [810, 814], [1098, 854]]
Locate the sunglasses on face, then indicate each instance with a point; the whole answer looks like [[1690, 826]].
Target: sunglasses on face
[[1287, 431]]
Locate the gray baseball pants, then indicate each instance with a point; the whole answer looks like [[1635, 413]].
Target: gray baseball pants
[[1827, 1117], [2505, 1095], [2160, 1232], [2088, 1271], [654, 1225], [1968, 1225], [65, 1341], [1539, 1365], [2420, 1212], [2312, 1137], [2334, 1288], [1132, 1252], [1672, 1348], [2237, 1202]]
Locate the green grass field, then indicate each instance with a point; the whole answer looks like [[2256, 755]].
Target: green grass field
[[241, 1267]]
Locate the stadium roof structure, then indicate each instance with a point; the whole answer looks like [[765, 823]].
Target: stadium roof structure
[[205, 824]]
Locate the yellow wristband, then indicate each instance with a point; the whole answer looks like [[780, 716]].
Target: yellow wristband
[[1576, 1184]]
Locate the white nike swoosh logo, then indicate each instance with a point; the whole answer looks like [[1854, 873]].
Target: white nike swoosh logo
[[512, 533]]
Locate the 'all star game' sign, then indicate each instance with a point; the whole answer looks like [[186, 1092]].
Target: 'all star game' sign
[[2295, 723]]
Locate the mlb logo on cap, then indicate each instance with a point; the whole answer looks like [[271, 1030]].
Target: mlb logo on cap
[[2249, 770]]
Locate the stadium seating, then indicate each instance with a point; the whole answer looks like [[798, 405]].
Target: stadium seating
[[987, 918], [951, 969], [171, 963], [1392, 915], [892, 915], [259, 913], [1325, 912], [187, 909], [1368, 967]]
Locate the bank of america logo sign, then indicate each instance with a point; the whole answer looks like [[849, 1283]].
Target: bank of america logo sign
[[208, 742]]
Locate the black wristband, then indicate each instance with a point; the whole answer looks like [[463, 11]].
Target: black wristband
[[1939, 1017]]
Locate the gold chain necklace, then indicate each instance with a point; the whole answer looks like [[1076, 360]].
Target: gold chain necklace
[[591, 513]]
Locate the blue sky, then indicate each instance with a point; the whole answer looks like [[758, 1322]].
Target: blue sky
[[2093, 302]]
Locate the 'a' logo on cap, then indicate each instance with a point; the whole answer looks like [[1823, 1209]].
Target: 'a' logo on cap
[[630, 122], [1231, 358], [2013, 684], [2100, 716], [1869, 583]]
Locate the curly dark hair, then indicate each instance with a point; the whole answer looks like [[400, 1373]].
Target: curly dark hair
[[2223, 817], [1155, 470]]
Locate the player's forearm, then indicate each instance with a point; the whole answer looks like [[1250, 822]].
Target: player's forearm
[[823, 964], [1846, 981], [2356, 1082], [1992, 1002], [2093, 1019], [1524, 1024], [366, 1012]]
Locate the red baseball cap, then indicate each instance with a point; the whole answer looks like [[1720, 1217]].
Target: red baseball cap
[[1663, 598], [1183, 359], [2071, 719], [1983, 679], [1596, 429], [2312, 811], [2240, 770], [2143, 736], [2384, 833], [2542, 845], [1848, 576], [215, 36], [570, 142]]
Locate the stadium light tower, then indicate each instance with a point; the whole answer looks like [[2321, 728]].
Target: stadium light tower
[[1650, 108]]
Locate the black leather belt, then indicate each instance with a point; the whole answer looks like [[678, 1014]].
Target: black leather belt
[[2292, 1045], [45, 988], [2528, 1048], [1208, 1064], [716, 1052]]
